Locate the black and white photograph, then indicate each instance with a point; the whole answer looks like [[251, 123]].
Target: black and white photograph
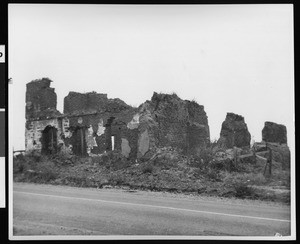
[[140, 121]]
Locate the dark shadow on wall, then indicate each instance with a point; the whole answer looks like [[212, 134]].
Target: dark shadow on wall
[[78, 141], [49, 140], [110, 138]]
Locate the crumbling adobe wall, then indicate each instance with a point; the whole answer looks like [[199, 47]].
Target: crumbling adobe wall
[[41, 100], [41, 115], [198, 129], [34, 130], [234, 132], [148, 140], [76, 102], [86, 128], [273, 132], [110, 120], [168, 120], [91, 123]]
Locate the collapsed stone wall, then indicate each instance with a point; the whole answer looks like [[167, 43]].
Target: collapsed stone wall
[[234, 132]]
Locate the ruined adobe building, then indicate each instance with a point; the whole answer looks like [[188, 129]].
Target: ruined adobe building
[[92, 124]]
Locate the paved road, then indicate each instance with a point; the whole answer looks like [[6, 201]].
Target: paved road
[[62, 210]]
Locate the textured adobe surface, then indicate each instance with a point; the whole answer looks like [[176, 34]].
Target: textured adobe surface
[[234, 132], [174, 122], [273, 132], [40, 99]]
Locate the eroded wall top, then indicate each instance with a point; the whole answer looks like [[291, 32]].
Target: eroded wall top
[[273, 132], [41, 100], [178, 123], [234, 132], [77, 103]]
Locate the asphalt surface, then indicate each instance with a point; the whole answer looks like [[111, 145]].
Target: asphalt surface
[[62, 210]]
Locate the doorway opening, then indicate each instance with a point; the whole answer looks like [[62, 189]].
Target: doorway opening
[[110, 139], [112, 143], [79, 142], [49, 140]]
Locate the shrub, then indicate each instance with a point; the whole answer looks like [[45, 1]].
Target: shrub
[[256, 179], [46, 171], [243, 178], [166, 158], [241, 184], [46, 176], [34, 156], [213, 175], [18, 165], [62, 158], [147, 168], [218, 165], [116, 179], [100, 160], [41, 172], [280, 177], [204, 156], [113, 160], [282, 154], [243, 191]]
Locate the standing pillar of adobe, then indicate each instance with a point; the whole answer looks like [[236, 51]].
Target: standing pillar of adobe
[[41, 116]]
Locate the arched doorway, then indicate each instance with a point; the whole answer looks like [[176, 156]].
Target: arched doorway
[[49, 140]]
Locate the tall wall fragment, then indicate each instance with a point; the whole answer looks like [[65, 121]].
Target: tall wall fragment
[[43, 125], [41, 99], [273, 132], [234, 132], [171, 121]]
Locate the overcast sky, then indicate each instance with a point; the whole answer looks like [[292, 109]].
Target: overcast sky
[[229, 58]]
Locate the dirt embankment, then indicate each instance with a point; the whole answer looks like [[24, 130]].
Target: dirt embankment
[[167, 170]]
